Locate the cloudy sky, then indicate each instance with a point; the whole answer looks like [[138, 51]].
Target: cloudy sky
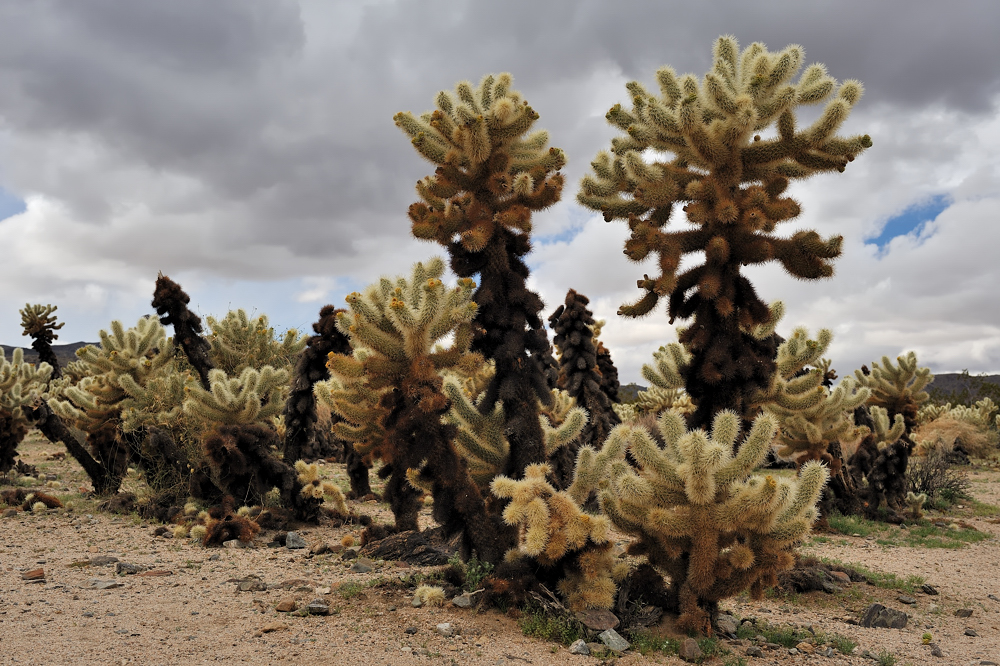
[[246, 148]]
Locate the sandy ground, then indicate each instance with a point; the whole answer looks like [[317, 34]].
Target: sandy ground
[[192, 611]]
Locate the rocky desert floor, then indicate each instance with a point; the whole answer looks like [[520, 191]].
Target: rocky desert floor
[[81, 586]]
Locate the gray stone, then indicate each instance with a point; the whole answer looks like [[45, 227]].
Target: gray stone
[[971, 632], [410, 630], [754, 651], [726, 625], [613, 640], [445, 629], [792, 651], [10, 513], [416, 603], [236, 543], [104, 584], [904, 599], [102, 561], [462, 600], [88, 614], [294, 541], [927, 588], [841, 578], [878, 615], [963, 612], [364, 565], [598, 620], [350, 553], [987, 662], [317, 607], [689, 650], [830, 588], [579, 647], [936, 652], [251, 584], [126, 569]]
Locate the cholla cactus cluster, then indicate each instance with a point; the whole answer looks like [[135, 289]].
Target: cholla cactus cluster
[[898, 388], [21, 384], [40, 324], [698, 513], [239, 342]]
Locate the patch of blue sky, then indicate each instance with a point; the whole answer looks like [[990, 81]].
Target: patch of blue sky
[[910, 221], [10, 205]]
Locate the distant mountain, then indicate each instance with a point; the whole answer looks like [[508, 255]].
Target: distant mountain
[[630, 392], [65, 353]]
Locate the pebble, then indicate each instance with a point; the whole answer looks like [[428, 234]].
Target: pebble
[[936, 652], [98, 584], [598, 620], [364, 565], [294, 541], [88, 614], [253, 584], [689, 650], [754, 651], [10, 513], [236, 543], [317, 607], [410, 630], [927, 588], [463, 601], [726, 625], [806, 648], [34, 575], [350, 553], [614, 641], [127, 569], [963, 612], [971, 632], [103, 561], [904, 599], [286, 605], [579, 647], [445, 629], [878, 615]]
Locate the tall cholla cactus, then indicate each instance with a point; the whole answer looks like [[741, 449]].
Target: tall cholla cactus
[[40, 325], [491, 175], [397, 324], [898, 388], [556, 533], [254, 397], [239, 342], [21, 384], [730, 183], [699, 515]]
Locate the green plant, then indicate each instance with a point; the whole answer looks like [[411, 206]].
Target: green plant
[[842, 644], [886, 658], [645, 642], [536, 623], [730, 183], [238, 342], [696, 510], [926, 638], [351, 590]]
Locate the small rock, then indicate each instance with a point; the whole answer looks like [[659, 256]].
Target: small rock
[[904, 599], [10, 513], [754, 651], [317, 607], [364, 565], [830, 588], [350, 553], [236, 543], [327, 590], [927, 588], [268, 628], [410, 630], [416, 603], [34, 574], [689, 650], [294, 541], [598, 620], [841, 578], [933, 608], [104, 584], [126, 569], [158, 573], [993, 597], [793, 651], [251, 584], [103, 561], [971, 632], [88, 614], [614, 641], [878, 615], [462, 600], [806, 648], [445, 629], [726, 625], [579, 647], [319, 548], [986, 662], [963, 612], [286, 605], [936, 652]]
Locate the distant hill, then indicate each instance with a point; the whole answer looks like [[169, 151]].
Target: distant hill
[[65, 353], [954, 387]]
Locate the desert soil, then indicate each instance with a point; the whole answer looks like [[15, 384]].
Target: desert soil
[[191, 609]]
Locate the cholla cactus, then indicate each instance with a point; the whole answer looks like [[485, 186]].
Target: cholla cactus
[[886, 433], [698, 513], [730, 183], [609, 373], [810, 416], [900, 388], [254, 397], [170, 302], [555, 532], [315, 489], [492, 173], [395, 328], [21, 384], [239, 342], [40, 325], [915, 504], [480, 437]]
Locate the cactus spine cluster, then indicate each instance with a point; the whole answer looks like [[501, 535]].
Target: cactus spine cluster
[[730, 183], [492, 173], [40, 324], [21, 385], [698, 513]]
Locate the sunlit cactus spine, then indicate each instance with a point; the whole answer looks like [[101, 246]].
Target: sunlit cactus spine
[[731, 183], [21, 385], [698, 513], [898, 388], [492, 173], [239, 342]]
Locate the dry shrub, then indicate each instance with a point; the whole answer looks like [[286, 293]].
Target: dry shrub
[[934, 476], [945, 431]]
